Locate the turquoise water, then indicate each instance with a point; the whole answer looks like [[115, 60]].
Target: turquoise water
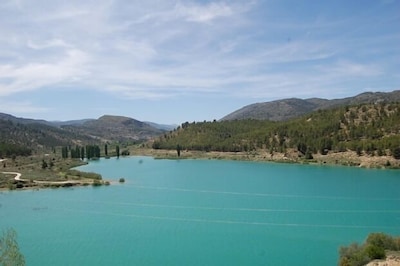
[[204, 212]]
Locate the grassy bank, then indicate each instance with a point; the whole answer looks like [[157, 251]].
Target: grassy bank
[[348, 158], [43, 171]]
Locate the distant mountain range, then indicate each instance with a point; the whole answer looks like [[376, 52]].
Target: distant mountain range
[[286, 109], [40, 133], [115, 128]]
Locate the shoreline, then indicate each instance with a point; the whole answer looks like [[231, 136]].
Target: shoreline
[[27, 173], [348, 158]]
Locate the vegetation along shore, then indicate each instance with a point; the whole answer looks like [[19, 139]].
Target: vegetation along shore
[[361, 131]]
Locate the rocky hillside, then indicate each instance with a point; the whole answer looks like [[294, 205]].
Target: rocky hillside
[[37, 135], [282, 110], [29, 134], [366, 129], [115, 128]]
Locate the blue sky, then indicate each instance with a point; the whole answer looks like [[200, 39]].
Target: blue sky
[[175, 61]]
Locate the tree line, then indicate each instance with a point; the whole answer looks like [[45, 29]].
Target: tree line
[[372, 129], [89, 152], [9, 150]]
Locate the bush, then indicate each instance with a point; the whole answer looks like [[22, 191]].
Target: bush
[[125, 153], [382, 241], [97, 183], [353, 255], [9, 250], [373, 248], [122, 180], [396, 153], [88, 175], [375, 252]]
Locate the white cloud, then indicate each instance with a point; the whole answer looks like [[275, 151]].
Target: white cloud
[[47, 44], [203, 13], [161, 49], [35, 75], [353, 69], [21, 108]]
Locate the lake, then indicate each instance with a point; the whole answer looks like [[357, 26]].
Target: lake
[[204, 212]]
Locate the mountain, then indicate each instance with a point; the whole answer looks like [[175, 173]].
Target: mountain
[[70, 122], [161, 126], [23, 121], [27, 121], [115, 128], [371, 129], [286, 109], [38, 134]]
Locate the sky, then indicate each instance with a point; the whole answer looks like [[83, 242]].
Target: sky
[[169, 61]]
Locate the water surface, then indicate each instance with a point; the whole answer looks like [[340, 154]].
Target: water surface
[[204, 212]]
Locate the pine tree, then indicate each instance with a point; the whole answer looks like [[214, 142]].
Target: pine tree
[[9, 250]]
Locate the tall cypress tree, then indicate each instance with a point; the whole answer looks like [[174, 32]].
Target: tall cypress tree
[[82, 153]]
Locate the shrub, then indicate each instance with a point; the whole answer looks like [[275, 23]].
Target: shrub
[[125, 153], [373, 248], [9, 250], [96, 183], [396, 153], [88, 175], [381, 240], [375, 252], [122, 180], [353, 255]]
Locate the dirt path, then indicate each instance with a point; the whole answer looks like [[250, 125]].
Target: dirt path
[[18, 178], [17, 175]]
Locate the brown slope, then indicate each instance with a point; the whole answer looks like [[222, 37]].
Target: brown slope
[[116, 128], [286, 109]]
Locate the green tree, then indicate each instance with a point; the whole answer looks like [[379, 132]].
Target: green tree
[[44, 164], [64, 152], [373, 248], [96, 151], [9, 250], [106, 150], [82, 153], [178, 150], [396, 153], [117, 150], [375, 252]]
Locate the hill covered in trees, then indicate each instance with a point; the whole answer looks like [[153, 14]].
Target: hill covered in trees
[[20, 139], [286, 109], [116, 128], [372, 129], [20, 136]]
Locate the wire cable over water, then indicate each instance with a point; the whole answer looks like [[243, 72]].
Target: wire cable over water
[[210, 208], [232, 222], [234, 193]]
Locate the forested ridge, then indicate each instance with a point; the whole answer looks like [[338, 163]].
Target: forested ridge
[[19, 136], [20, 139], [372, 129]]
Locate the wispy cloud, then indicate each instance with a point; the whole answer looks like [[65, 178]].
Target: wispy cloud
[[35, 75], [21, 108], [203, 13], [47, 44], [171, 49]]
